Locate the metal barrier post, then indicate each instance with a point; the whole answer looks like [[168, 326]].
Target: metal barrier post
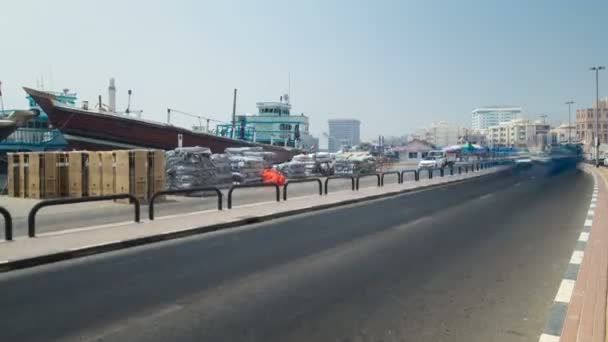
[[183, 191], [302, 181], [352, 179], [430, 173], [459, 169], [31, 219], [441, 172], [416, 178], [399, 179], [8, 224], [367, 175], [451, 170], [236, 186]]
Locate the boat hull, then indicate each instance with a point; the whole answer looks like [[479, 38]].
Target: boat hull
[[100, 131]]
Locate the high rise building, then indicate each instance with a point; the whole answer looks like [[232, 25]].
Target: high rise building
[[343, 132], [482, 118], [585, 124], [519, 133]]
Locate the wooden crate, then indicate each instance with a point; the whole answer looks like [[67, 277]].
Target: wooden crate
[[49, 174], [157, 171], [122, 181], [23, 174], [63, 168], [107, 172], [93, 169], [35, 174], [139, 174], [76, 173], [12, 179]]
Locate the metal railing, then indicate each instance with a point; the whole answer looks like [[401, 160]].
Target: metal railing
[[8, 224], [352, 179], [263, 185], [416, 175], [31, 219], [377, 175], [304, 180], [183, 191], [399, 180]]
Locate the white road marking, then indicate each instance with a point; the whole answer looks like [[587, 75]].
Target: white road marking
[[593, 200], [590, 212], [517, 184], [3, 261], [486, 196], [577, 257], [584, 237], [592, 206], [588, 223], [548, 338], [95, 245], [564, 293]]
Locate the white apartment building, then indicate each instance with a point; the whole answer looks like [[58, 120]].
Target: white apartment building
[[519, 133], [482, 118], [440, 133]]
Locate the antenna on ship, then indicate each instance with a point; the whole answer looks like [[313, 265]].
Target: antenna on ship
[[128, 102], [234, 114]]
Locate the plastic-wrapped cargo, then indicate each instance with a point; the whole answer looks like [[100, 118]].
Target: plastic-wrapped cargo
[[354, 164], [248, 163], [190, 167], [293, 169]]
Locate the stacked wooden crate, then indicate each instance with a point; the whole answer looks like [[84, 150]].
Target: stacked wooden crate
[[81, 173]]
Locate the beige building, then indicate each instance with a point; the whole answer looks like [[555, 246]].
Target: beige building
[[585, 124], [561, 135], [519, 133]]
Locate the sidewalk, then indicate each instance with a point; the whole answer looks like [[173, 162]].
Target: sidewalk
[[585, 296], [50, 247]]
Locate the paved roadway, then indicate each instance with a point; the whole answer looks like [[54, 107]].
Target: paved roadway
[[465, 262]]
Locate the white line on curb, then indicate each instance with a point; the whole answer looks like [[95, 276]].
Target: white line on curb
[[3, 261], [592, 206], [588, 223], [548, 338], [584, 237], [565, 291], [577, 257], [591, 212]]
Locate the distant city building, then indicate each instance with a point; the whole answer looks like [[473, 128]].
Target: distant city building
[[440, 133], [482, 118], [473, 137], [414, 150], [561, 135], [585, 124], [519, 133], [343, 132]]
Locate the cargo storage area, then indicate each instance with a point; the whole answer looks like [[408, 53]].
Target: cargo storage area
[[41, 175]]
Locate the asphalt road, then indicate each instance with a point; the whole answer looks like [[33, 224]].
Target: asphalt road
[[478, 261]]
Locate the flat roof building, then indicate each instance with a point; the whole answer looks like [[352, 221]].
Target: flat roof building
[[482, 118], [343, 132]]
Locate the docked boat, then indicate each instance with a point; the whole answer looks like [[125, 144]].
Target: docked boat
[[103, 128], [14, 119]]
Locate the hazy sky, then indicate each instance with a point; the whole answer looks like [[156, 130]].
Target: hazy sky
[[395, 65]]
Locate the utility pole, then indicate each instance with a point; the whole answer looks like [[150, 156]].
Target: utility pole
[[597, 113], [569, 103], [234, 115]]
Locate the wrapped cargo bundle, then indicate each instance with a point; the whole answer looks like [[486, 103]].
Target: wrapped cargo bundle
[[248, 163], [223, 168], [293, 169], [354, 164], [191, 167]]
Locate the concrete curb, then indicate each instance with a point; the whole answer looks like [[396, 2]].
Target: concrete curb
[[118, 245]]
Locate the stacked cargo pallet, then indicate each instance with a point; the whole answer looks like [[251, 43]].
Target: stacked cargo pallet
[[84, 173]]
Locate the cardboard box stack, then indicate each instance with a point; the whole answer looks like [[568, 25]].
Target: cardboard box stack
[[82, 173]]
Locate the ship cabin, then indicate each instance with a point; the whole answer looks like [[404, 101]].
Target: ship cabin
[[37, 134], [273, 124]]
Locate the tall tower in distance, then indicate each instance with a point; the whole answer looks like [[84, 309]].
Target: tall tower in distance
[[112, 96]]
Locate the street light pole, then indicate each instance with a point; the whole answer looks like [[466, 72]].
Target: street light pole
[[570, 103], [597, 113]]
